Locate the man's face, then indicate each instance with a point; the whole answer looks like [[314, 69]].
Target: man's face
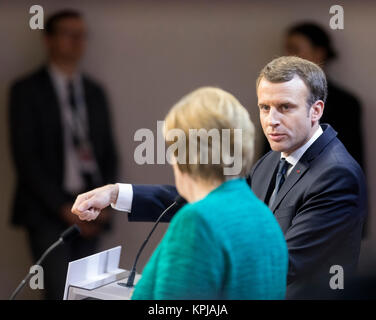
[[285, 119], [68, 42]]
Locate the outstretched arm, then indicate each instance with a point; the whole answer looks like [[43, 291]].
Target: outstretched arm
[[146, 202]]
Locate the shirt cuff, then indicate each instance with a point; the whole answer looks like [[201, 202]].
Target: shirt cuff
[[124, 199]]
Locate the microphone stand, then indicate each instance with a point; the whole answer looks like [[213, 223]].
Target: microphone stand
[[132, 274], [65, 236], [28, 276]]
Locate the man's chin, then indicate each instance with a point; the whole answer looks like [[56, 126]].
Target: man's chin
[[277, 147], [283, 149]]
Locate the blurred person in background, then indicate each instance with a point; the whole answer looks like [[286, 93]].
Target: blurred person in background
[[62, 145], [213, 250]]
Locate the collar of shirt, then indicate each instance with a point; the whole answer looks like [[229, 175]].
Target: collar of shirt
[[295, 156], [60, 79], [60, 82]]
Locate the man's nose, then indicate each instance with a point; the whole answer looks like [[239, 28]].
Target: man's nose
[[273, 117]]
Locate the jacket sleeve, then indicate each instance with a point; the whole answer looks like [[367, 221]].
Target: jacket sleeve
[[149, 201]]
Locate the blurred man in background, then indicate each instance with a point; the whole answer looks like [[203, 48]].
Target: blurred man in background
[[62, 145]]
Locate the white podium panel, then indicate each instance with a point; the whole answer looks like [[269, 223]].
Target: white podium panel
[[97, 277], [111, 291]]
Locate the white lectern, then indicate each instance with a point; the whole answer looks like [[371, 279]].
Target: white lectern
[[98, 277]]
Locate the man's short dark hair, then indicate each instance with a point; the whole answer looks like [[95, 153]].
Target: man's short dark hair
[[54, 19], [284, 69]]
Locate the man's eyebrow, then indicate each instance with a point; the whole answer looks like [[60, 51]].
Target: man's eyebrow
[[277, 105], [286, 103]]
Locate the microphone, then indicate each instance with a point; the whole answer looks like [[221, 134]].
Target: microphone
[[65, 237], [178, 201], [70, 233]]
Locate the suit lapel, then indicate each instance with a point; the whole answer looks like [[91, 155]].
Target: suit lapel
[[295, 175], [51, 105], [269, 176], [50, 96], [50, 119], [304, 163]]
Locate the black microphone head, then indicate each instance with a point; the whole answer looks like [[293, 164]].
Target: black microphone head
[[70, 233], [180, 200]]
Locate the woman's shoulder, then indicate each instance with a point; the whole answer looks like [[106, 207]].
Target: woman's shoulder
[[227, 197], [195, 215], [233, 199], [190, 211]]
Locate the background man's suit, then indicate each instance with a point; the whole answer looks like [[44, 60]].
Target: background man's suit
[[38, 152], [320, 207]]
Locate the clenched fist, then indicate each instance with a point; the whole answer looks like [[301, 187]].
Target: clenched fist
[[90, 204]]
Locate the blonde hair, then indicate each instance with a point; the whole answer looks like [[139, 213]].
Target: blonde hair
[[212, 108]]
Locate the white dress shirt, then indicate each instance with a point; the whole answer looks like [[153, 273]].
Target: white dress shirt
[[295, 156], [125, 198]]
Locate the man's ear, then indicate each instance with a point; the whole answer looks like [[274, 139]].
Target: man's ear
[[317, 110]]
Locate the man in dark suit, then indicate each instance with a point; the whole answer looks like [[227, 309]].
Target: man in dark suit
[[62, 145], [319, 197], [311, 183]]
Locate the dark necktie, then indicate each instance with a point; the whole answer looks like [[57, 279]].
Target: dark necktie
[[72, 99], [280, 179], [73, 105], [87, 176]]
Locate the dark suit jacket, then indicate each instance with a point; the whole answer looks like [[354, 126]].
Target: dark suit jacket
[[36, 138], [320, 208]]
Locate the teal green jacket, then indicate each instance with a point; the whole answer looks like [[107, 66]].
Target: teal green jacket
[[226, 246]]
